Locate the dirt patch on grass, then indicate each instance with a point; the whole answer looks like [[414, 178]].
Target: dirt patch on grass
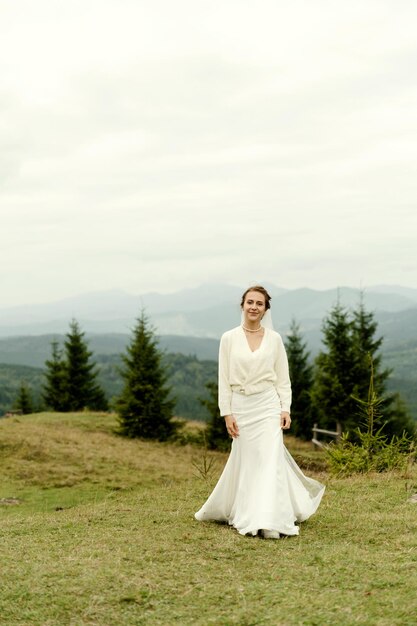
[[10, 501]]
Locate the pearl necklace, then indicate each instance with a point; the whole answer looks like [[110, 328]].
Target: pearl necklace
[[249, 330]]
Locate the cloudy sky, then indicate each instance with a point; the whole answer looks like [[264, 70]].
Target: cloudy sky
[[157, 145]]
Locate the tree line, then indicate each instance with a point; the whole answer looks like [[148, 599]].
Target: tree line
[[144, 407], [324, 390]]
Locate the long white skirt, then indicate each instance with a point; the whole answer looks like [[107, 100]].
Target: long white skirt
[[261, 486]]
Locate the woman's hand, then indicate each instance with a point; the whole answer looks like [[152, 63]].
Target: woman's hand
[[285, 420], [231, 425]]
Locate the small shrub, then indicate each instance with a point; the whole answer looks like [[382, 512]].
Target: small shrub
[[204, 464], [376, 455]]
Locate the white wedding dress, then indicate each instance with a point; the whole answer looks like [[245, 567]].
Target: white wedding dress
[[261, 486]]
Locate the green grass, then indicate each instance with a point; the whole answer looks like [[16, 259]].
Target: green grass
[[105, 536]]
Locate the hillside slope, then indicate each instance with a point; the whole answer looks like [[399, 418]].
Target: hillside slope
[[99, 530]]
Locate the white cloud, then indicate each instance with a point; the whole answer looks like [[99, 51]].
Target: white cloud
[[157, 145]]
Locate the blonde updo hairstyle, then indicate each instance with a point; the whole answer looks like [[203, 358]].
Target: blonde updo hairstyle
[[261, 290]]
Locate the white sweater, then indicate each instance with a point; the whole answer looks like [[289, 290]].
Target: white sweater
[[249, 372]]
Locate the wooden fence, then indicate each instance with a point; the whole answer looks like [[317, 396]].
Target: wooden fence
[[331, 433]]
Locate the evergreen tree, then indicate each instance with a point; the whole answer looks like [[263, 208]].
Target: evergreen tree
[[366, 345], [301, 374], [144, 406], [334, 377], [217, 437], [82, 389], [54, 391], [24, 400], [392, 410], [342, 373]]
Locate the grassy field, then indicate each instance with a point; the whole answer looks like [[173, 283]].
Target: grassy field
[[104, 535]]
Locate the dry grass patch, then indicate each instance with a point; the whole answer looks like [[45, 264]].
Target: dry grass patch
[[62, 452]]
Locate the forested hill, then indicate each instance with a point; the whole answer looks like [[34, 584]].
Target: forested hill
[[187, 377], [193, 361], [11, 377], [34, 350]]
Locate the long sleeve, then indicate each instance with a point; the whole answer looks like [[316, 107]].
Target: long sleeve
[[283, 384], [247, 372], [225, 391]]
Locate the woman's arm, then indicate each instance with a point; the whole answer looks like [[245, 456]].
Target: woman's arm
[[283, 384], [225, 391]]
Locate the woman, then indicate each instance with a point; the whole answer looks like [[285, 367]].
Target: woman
[[261, 490]]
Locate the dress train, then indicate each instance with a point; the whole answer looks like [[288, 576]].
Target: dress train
[[261, 486]]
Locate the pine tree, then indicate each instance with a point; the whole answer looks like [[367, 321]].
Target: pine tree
[[54, 391], [301, 374], [24, 400], [342, 373], [144, 407], [392, 411], [82, 389], [366, 345], [217, 437], [334, 376]]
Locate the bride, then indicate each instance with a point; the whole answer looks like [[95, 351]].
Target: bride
[[262, 489]]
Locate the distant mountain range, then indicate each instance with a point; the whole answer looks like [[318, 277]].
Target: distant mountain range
[[190, 323], [208, 310]]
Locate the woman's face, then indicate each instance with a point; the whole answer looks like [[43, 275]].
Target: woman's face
[[254, 307]]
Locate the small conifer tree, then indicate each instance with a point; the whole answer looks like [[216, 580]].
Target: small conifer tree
[[54, 392], [82, 388], [145, 407], [24, 401], [301, 374], [367, 448], [217, 437], [71, 383]]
